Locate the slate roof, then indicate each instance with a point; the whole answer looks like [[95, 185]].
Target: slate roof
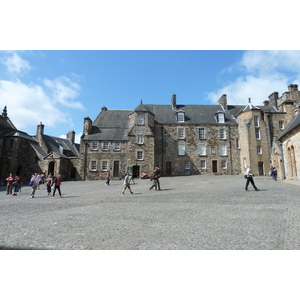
[[60, 146], [7, 123], [295, 123], [110, 125]]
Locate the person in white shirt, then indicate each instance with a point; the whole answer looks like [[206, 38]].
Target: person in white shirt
[[249, 176]]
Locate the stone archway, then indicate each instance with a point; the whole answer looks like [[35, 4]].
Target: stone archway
[[293, 162]]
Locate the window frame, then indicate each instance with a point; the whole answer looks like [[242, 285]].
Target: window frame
[[222, 133], [259, 149], [180, 117], [94, 146], [203, 161], [141, 119], [140, 139], [181, 133], [203, 147], [181, 149], [103, 146], [93, 168], [257, 133], [222, 148], [202, 134], [141, 152], [222, 119], [187, 165], [256, 121], [103, 164], [281, 125], [223, 164], [117, 149]]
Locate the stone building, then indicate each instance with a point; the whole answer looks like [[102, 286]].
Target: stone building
[[24, 155], [179, 139]]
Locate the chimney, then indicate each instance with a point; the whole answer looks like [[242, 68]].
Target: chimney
[[223, 101], [293, 88], [174, 105], [87, 125], [71, 136], [266, 102], [103, 108], [273, 99], [40, 130]]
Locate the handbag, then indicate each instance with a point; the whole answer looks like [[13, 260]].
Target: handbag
[[31, 183]]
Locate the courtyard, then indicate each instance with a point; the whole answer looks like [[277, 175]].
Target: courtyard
[[198, 212]]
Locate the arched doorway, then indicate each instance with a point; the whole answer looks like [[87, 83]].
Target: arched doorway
[[293, 162], [51, 168]]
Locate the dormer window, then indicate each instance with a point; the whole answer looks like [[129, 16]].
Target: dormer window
[[180, 117], [221, 117], [141, 120]]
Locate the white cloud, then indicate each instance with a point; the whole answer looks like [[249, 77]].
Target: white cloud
[[28, 103], [16, 65], [263, 72]]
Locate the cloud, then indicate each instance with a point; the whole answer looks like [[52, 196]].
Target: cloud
[[28, 103], [258, 74], [16, 65]]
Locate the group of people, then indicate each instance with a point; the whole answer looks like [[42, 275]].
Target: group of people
[[13, 185], [51, 183]]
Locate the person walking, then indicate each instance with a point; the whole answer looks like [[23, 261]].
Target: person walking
[[49, 183], [34, 182], [126, 184], [57, 184], [16, 186], [157, 172], [154, 179], [274, 174], [249, 177], [107, 177], [9, 184]]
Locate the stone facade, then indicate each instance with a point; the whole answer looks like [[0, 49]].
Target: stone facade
[[179, 139]]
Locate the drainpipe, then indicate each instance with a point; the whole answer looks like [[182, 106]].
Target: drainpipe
[[85, 161], [283, 163], [162, 150], [230, 151]]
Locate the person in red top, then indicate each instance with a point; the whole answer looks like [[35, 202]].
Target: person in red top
[[9, 186], [57, 183]]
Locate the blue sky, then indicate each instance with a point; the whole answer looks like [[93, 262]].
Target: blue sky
[[60, 88]]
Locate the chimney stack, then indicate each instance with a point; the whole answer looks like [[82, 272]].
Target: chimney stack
[[273, 99], [223, 101], [87, 125], [71, 136], [174, 105]]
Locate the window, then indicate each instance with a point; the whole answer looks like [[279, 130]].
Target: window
[[141, 120], [257, 133], [105, 146], [180, 117], [256, 121], [223, 164], [104, 165], [93, 165], [181, 149], [187, 165], [237, 143], [281, 125], [203, 164], [117, 146], [259, 150], [94, 145], [213, 150], [223, 150], [139, 155], [222, 133], [140, 139], [201, 133], [180, 133], [202, 150], [221, 117]]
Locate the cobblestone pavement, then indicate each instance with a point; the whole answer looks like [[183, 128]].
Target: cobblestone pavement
[[193, 212]]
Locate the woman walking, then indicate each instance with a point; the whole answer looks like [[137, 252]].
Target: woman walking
[[49, 183], [57, 183]]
